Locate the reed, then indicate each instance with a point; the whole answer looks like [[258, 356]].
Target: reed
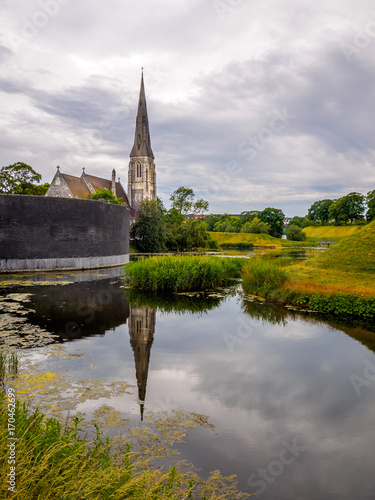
[[182, 273], [263, 275]]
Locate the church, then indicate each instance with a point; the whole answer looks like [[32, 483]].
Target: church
[[141, 172]]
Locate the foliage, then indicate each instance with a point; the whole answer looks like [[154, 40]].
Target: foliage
[[19, 178], [319, 211], [108, 196], [262, 275], [302, 222], [347, 208], [182, 273], [37, 189], [148, 230], [274, 217], [256, 226], [295, 233], [54, 462], [370, 199], [183, 202]]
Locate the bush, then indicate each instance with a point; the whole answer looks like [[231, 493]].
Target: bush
[[295, 233]]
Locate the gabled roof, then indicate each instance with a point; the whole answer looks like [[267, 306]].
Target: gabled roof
[[142, 141], [99, 182], [77, 186]]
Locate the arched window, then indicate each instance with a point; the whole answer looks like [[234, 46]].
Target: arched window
[[139, 170]]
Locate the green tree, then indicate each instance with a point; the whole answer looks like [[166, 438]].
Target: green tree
[[274, 217], [255, 226], [319, 211], [148, 230], [294, 233], [38, 189], [18, 178], [108, 196], [348, 208], [183, 202], [370, 199]]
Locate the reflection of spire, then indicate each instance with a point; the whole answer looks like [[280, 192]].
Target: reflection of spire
[[141, 332]]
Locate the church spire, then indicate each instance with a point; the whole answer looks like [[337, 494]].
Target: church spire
[[142, 142]]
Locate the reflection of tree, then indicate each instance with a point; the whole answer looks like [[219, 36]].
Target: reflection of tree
[[277, 314], [141, 331], [176, 303]]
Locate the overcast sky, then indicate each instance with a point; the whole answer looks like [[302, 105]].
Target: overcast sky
[[252, 104]]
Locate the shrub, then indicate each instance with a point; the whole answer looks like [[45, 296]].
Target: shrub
[[295, 233]]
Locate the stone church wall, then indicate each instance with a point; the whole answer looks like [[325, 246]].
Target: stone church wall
[[46, 233]]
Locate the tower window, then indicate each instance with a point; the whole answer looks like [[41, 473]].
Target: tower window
[[139, 170]]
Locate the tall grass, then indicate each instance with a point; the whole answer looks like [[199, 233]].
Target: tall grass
[[263, 275], [182, 273], [53, 462]]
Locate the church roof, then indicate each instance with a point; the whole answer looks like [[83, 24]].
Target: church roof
[[142, 141], [77, 186], [99, 182]]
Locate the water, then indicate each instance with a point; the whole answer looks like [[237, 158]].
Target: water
[[292, 398]]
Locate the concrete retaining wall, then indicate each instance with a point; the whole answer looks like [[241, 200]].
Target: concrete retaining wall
[[45, 233]]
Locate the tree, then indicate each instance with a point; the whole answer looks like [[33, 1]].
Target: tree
[[319, 211], [348, 208], [148, 230], [38, 189], [370, 199], [108, 196], [183, 201], [255, 226], [274, 217], [18, 178], [294, 233]]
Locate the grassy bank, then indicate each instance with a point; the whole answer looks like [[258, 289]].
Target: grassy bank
[[249, 240], [329, 233], [339, 281], [181, 273], [49, 461]]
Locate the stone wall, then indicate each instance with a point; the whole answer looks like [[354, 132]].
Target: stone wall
[[45, 233]]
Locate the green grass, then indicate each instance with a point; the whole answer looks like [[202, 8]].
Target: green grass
[[238, 240], [355, 253], [54, 462], [330, 233], [182, 273]]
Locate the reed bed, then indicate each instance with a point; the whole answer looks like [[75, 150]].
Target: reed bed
[[182, 273], [263, 275]]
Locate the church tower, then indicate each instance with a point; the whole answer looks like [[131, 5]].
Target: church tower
[[142, 175]]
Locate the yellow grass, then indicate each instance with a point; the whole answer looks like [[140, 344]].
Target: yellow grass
[[302, 278], [330, 232]]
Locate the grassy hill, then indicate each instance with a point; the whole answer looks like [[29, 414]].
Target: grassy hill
[[356, 253], [330, 233]]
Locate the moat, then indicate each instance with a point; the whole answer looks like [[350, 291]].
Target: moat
[[291, 396]]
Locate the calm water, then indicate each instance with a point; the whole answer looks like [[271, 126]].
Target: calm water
[[292, 398]]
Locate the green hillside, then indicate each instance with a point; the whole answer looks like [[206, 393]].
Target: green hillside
[[333, 233], [356, 253]]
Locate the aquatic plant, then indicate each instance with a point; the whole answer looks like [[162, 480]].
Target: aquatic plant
[[263, 275], [182, 273]]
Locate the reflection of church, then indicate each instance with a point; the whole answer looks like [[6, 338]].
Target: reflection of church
[[141, 331]]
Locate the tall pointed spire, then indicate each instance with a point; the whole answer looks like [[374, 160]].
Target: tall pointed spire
[[142, 142]]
